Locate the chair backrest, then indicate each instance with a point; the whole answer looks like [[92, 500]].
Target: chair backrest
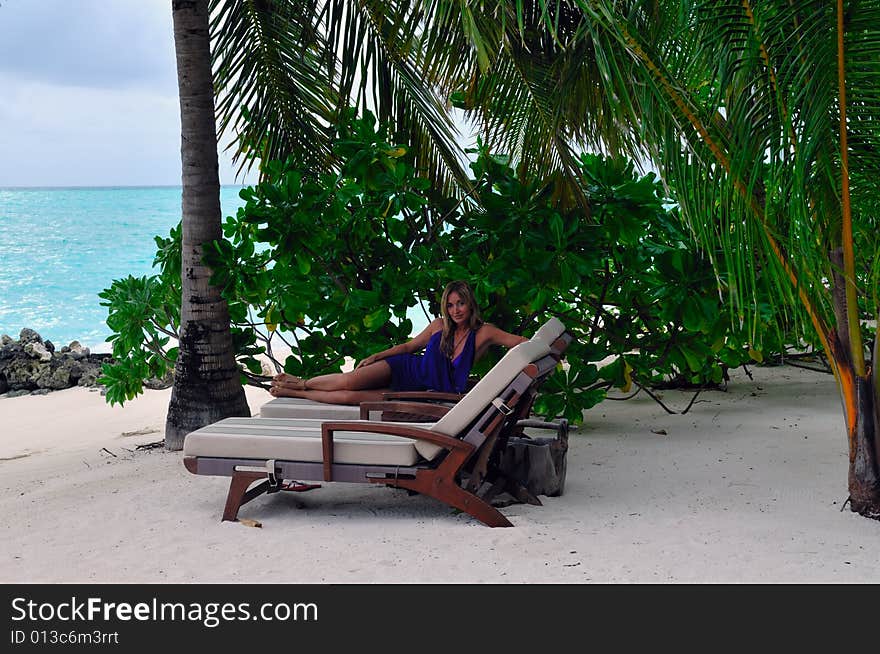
[[549, 331], [480, 396], [494, 381]]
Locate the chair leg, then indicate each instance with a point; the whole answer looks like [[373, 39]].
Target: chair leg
[[457, 497], [239, 494], [480, 466]]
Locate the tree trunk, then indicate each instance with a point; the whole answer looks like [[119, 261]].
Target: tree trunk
[[838, 298], [860, 413], [864, 481], [206, 377]]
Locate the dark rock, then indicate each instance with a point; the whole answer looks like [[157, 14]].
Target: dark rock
[[156, 384], [38, 351], [29, 336], [21, 372], [77, 351], [56, 375], [89, 375], [10, 351]]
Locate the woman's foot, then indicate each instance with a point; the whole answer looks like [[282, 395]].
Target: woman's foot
[[282, 391], [289, 382]]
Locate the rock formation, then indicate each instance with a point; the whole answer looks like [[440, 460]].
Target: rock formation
[[32, 365]]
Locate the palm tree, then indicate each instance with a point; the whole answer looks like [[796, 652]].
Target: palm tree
[[533, 79], [765, 118], [206, 378]]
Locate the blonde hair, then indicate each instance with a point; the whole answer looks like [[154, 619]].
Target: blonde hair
[[447, 340]]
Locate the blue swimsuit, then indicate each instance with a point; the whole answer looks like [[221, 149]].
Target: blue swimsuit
[[432, 370]]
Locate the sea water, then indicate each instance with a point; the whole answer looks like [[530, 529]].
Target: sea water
[[60, 247]]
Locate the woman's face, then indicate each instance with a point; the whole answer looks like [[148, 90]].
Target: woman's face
[[458, 310]]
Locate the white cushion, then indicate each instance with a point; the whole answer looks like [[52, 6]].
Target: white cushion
[[296, 407], [296, 440], [549, 331]]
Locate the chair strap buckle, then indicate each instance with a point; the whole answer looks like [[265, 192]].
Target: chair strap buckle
[[270, 474], [499, 404]]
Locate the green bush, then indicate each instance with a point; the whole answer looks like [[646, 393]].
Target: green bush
[[332, 266]]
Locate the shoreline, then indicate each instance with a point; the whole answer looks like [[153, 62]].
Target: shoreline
[[747, 487]]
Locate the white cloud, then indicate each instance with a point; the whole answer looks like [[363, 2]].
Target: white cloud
[[90, 95], [100, 43]]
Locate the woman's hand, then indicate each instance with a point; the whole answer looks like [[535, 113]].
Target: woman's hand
[[367, 361]]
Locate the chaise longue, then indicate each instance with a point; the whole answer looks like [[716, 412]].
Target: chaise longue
[[296, 407], [447, 459]]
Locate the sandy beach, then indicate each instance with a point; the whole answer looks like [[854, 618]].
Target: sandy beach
[[747, 487]]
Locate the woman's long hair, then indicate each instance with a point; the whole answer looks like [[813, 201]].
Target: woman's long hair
[[447, 339]]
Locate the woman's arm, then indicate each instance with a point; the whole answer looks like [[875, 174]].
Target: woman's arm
[[413, 345], [497, 336], [489, 335]]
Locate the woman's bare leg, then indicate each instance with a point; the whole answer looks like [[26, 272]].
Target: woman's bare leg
[[359, 385]]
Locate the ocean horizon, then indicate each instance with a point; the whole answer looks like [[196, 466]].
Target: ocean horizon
[[50, 187], [62, 245]]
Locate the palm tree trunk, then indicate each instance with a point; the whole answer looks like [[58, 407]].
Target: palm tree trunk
[[864, 482], [862, 425], [855, 380], [206, 377]]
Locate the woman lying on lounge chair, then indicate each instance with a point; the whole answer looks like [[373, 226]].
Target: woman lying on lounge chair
[[452, 343]]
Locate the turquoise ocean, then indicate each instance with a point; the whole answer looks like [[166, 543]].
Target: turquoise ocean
[[60, 247]]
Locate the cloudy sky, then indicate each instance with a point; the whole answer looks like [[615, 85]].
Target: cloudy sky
[[88, 94]]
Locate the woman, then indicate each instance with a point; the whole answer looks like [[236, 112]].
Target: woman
[[452, 343]]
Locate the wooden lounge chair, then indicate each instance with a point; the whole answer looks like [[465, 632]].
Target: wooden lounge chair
[[445, 460], [295, 407]]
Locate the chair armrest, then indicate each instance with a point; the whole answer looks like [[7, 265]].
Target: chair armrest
[[436, 396], [393, 429], [416, 409]]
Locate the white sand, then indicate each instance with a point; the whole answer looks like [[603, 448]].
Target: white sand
[[746, 487]]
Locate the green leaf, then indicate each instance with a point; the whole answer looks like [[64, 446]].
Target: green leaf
[[377, 318], [692, 314], [694, 363], [303, 264], [556, 229]]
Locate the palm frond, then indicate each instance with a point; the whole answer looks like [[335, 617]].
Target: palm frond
[[380, 71], [541, 83], [295, 65], [274, 90]]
